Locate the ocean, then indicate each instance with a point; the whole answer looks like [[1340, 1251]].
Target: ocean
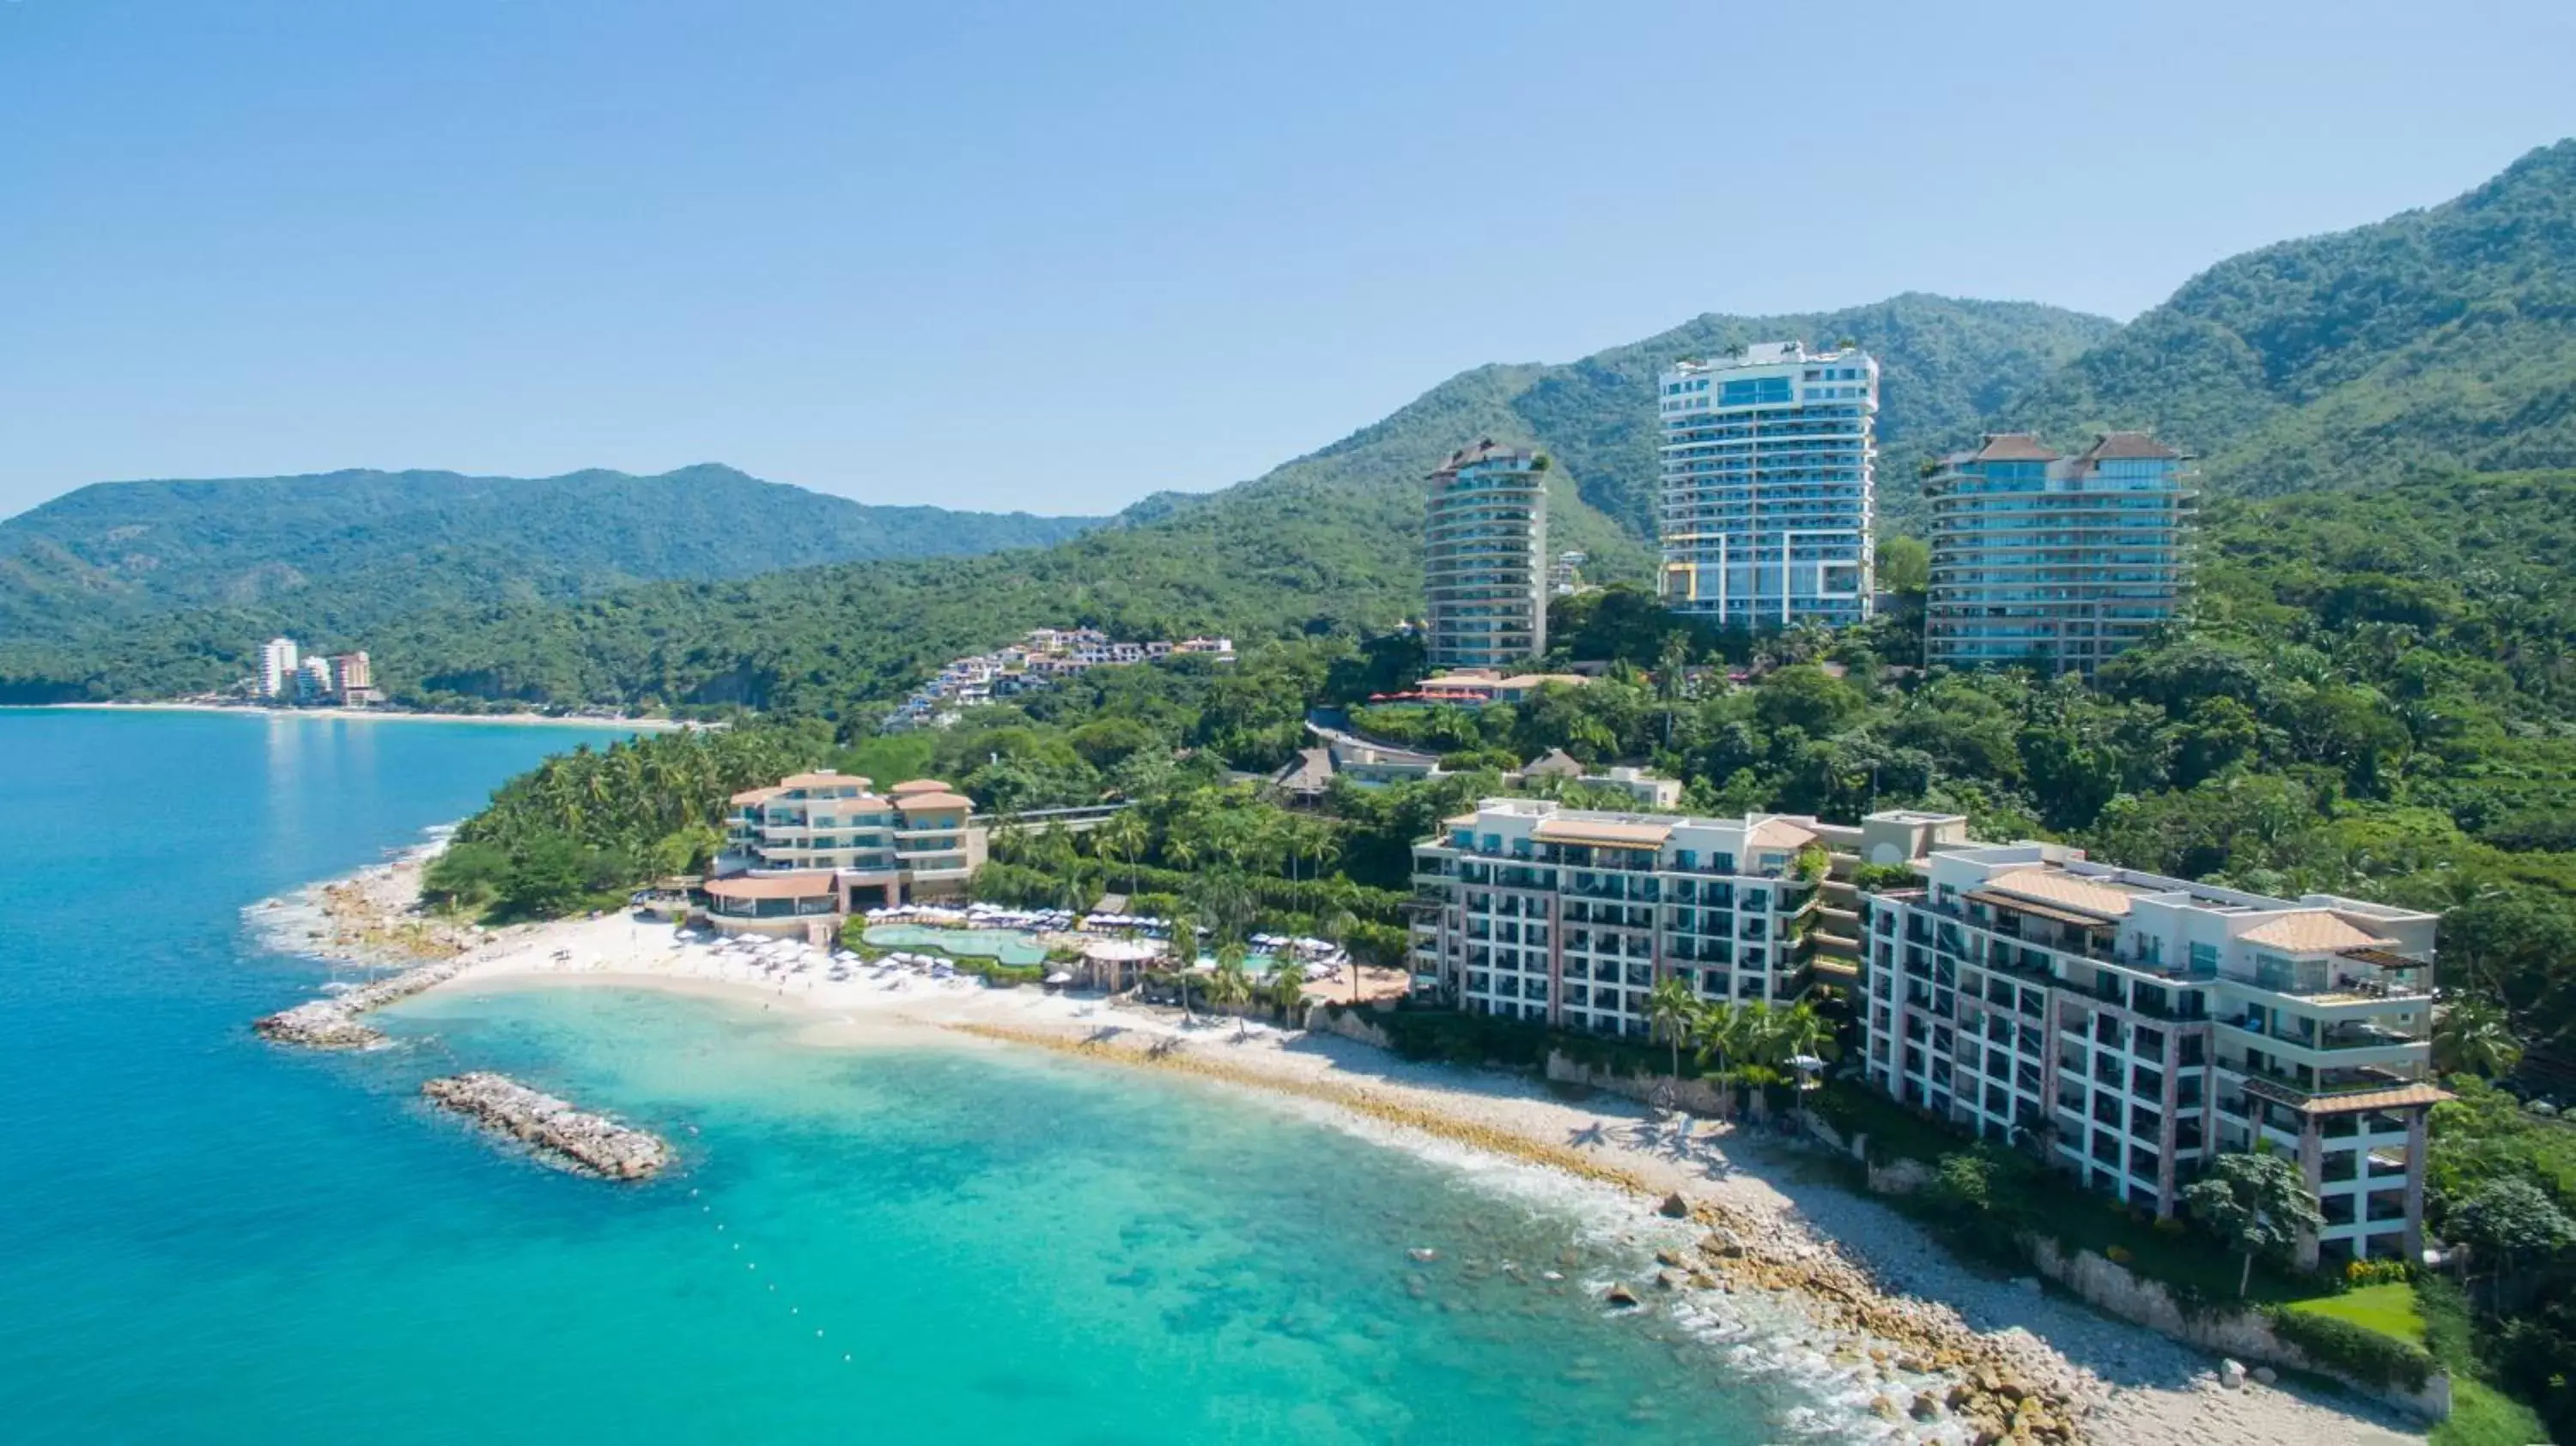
[[209, 1239]]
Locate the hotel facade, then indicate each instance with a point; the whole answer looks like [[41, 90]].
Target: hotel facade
[[1569, 917], [2132, 1028], [2059, 561], [823, 845], [1768, 464], [1484, 559]]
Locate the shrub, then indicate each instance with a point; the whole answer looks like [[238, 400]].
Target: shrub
[[2357, 1351], [2376, 1272]]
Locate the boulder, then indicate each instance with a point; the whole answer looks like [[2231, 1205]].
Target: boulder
[[1674, 1207], [2231, 1374], [2264, 1375], [1620, 1295], [1927, 1407]]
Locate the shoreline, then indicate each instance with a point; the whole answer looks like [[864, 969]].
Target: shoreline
[[1935, 1350], [376, 715]]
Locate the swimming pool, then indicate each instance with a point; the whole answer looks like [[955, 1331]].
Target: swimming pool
[[1008, 945]]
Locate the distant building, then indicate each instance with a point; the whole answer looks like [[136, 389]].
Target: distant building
[[2131, 1028], [1482, 685], [278, 662], [1565, 575], [2060, 562], [353, 679], [1484, 545], [313, 680], [1767, 507], [823, 845]]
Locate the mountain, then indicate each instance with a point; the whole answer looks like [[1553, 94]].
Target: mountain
[[2438, 339], [1328, 540], [1945, 364], [339, 552]]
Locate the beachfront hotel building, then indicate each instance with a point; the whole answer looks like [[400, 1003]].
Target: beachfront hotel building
[[1484, 559], [1568, 917], [2058, 562], [2131, 1028], [1768, 463], [820, 846]]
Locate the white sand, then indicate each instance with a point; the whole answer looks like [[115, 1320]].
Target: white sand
[[382, 715], [2143, 1388]]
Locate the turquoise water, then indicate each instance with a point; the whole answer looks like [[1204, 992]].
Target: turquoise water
[[1009, 946], [209, 1240]]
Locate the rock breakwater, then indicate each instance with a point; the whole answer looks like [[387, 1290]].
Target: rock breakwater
[[334, 1023], [592, 1144]]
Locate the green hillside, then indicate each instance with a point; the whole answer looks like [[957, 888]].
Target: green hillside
[[1327, 541], [340, 552], [2434, 340]]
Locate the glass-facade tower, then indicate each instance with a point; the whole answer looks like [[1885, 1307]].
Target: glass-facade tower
[[1769, 458], [1484, 559], [2058, 563]]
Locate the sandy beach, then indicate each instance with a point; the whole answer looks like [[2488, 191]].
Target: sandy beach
[[383, 715], [1932, 1347]]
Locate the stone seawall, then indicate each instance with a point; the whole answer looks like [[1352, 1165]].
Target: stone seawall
[[592, 1144], [334, 1023]]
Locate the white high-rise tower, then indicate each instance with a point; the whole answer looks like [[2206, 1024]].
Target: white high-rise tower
[[1768, 462], [277, 665]]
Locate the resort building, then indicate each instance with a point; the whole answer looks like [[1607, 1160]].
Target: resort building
[[1768, 463], [1569, 917], [1478, 686], [278, 662], [822, 845], [2058, 562], [2131, 1028], [1484, 558]]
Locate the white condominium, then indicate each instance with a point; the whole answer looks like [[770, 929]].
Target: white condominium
[[2131, 1028], [278, 662], [1484, 558], [1569, 917], [1768, 463]]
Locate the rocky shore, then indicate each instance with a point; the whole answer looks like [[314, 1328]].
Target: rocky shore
[[334, 1023], [591, 1144]]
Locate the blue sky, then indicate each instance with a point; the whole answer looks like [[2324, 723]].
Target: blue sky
[[1056, 257]]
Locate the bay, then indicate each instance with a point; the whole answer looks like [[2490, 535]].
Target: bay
[[210, 1239]]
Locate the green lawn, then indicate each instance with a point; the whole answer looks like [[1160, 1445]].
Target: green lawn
[[2389, 1309]]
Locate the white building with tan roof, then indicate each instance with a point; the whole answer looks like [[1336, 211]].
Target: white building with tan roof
[[1568, 917], [2133, 1027], [821, 845]]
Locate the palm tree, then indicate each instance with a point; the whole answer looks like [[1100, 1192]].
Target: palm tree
[[1183, 950], [1671, 669], [1717, 1031], [1123, 837], [1673, 1008], [1230, 987], [1288, 989], [1335, 923], [2473, 1035]]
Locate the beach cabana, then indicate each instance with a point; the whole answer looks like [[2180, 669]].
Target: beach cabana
[[1117, 964]]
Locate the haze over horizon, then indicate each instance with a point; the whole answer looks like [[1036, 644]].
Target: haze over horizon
[[1001, 257]]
